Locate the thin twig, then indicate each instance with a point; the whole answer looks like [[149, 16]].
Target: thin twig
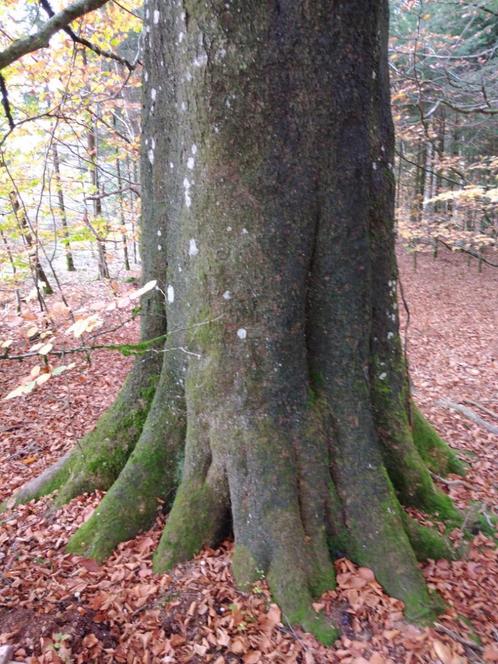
[[491, 413], [477, 419], [454, 635], [84, 42]]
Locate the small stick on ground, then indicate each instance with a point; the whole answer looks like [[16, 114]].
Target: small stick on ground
[[481, 407], [454, 635], [469, 413]]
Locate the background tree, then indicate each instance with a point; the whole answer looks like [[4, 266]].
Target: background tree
[[444, 63], [71, 111]]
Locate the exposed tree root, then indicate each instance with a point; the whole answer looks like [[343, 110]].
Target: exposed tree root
[[97, 460], [48, 481], [149, 476], [437, 454], [426, 542]]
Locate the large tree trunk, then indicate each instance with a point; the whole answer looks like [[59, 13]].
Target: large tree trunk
[[268, 206]]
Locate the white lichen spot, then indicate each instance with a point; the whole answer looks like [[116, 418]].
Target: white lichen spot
[[374, 75], [245, 231], [242, 333], [390, 335], [147, 13], [194, 149], [383, 376], [159, 232], [150, 155], [227, 295], [180, 37], [229, 228], [192, 248], [188, 76], [200, 60], [171, 165], [374, 165], [183, 106], [186, 187], [156, 16], [153, 94], [171, 294], [146, 75], [159, 248], [153, 143], [190, 163]]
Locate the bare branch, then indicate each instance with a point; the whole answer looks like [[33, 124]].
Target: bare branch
[[475, 255], [6, 103], [84, 42], [41, 39]]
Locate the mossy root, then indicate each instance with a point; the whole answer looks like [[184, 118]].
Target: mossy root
[[437, 454]]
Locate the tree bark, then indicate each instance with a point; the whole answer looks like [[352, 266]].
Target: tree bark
[[268, 194]]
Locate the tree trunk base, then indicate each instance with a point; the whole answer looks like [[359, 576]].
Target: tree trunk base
[[286, 533]]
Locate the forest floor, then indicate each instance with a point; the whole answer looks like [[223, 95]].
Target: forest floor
[[55, 607]]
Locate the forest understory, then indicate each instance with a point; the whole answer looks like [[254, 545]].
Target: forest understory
[[55, 607]]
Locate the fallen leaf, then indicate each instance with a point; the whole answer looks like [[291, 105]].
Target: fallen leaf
[[442, 651]]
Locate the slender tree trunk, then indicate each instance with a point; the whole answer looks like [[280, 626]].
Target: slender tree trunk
[[422, 182], [37, 270], [97, 201], [122, 216], [399, 184], [283, 394], [439, 147], [132, 177], [62, 209], [13, 268], [455, 150]]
